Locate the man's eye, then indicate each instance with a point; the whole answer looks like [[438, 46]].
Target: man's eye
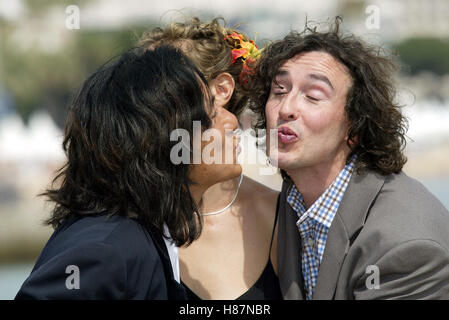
[[312, 98], [277, 89]]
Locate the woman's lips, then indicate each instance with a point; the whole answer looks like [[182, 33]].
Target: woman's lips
[[287, 135]]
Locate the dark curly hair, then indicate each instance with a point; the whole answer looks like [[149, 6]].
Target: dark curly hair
[[377, 126], [117, 141], [209, 46]]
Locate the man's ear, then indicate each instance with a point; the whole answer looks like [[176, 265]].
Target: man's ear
[[222, 88]]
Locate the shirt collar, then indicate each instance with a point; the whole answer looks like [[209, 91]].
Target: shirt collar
[[325, 207]]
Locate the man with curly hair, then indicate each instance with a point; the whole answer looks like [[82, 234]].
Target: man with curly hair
[[352, 225]]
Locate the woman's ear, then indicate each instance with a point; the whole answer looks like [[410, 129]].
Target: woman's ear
[[222, 88]]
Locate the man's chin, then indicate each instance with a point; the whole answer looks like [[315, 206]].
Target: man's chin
[[286, 164]]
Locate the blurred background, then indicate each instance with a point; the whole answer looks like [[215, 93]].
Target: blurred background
[[48, 47]]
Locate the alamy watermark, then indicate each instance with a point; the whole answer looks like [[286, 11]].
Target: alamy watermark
[[72, 20], [222, 150], [372, 22], [373, 280], [72, 282]]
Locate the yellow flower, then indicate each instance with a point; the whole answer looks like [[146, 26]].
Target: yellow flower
[[244, 49]]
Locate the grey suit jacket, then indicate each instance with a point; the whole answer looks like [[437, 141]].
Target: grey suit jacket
[[392, 223]]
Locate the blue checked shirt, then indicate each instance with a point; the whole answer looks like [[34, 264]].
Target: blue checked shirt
[[315, 222]]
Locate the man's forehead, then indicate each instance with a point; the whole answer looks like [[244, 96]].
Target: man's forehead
[[314, 61]]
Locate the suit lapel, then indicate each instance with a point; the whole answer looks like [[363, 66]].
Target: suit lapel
[[289, 250], [174, 290], [349, 219], [337, 245]]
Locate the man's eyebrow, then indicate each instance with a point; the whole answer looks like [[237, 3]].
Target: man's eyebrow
[[281, 73], [322, 78]]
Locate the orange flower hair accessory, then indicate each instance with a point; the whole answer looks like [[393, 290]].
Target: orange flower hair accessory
[[247, 51]]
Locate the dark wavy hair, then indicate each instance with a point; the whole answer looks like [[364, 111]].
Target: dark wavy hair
[[117, 141], [377, 126]]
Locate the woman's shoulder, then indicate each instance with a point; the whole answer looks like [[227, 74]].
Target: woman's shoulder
[[124, 234], [99, 227], [258, 189], [108, 253], [261, 196]]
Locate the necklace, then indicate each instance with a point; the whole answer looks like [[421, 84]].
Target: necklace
[[229, 205]]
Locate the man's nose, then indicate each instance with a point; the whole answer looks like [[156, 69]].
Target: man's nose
[[289, 109]]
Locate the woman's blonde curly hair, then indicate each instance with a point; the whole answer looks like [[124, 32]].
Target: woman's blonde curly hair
[[209, 46]]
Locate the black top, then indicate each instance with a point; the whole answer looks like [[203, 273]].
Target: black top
[[266, 287], [107, 256]]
